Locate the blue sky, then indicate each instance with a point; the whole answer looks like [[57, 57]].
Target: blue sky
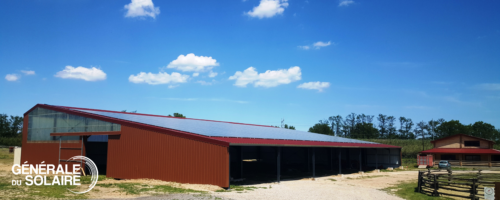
[[255, 61]]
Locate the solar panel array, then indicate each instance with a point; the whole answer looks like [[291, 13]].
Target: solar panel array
[[224, 129]]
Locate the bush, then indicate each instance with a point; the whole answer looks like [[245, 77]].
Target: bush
[[10, 141]]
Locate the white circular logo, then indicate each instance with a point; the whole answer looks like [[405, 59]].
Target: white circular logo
[[92, 168]]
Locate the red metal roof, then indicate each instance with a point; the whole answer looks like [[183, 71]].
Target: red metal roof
[[271, 142], [462, 151], [462, 135]]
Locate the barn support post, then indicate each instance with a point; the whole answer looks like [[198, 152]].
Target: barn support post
[[308, 160], [314, 162], [340, 162], [360, 160], [241, 161], [376, 158], [331, 159], [278, 162]]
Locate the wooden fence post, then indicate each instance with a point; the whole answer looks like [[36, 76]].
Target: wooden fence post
[[435, 193], [419, 187]]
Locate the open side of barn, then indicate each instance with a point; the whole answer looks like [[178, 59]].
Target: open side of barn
[[131, 146]]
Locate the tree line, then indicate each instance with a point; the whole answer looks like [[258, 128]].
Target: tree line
[[361, 126]]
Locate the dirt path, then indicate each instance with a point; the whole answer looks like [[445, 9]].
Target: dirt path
[[348, 187]]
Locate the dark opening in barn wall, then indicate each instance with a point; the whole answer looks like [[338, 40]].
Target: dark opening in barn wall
[[96, 148], [260, 163]]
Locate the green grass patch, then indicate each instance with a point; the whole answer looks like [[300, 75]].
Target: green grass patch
[[331, 179], [137, 188], [240, 188], [409, 191]]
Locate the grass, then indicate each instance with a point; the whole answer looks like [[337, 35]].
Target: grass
[[240, 188], [408, 191]]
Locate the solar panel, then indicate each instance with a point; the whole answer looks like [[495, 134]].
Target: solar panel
[[224, 129]]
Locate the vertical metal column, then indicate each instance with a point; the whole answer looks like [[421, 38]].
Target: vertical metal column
[[360, 160], [331, 159], [314, 163], [81, 153], [278, 162], [308, 160], [59, 160], [376, 158], [241, 161], [340, 162]]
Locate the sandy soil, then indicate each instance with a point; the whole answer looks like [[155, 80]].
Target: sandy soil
[[347, 187]]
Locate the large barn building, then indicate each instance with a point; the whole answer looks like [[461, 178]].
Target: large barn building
[[132, 145]]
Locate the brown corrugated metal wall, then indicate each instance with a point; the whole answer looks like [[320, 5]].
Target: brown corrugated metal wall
[[139, 153], [36, 152]]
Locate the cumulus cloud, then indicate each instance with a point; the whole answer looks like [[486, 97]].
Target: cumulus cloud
[[87, 74], [160, 78], [193, 63], [28, 72], [268, 8], [345, 2], [142, 8], [212, 74], [196, 74], [320, 44], [314, 85], [12, 77], [270, 78]]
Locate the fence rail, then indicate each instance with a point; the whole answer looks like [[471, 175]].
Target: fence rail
[[470, 163], [459, 184]]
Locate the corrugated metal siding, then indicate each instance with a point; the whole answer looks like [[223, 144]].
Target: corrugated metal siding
[[139, 153], [36, 152]]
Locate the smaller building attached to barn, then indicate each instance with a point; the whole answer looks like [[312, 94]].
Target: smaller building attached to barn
[[133, 145], [464, 150]]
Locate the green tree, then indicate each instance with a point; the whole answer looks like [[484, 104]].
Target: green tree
[[349, 125], [178, 115], [484, 130], [322, 127], [422, 131], [289, 127], [365, 130], [10, 127], [337, 124], [450, 128], [382, 125]]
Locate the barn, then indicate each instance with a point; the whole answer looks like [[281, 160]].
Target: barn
[[131, 145]]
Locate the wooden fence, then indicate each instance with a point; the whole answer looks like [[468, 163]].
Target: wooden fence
[[456, 163], [468, 185]]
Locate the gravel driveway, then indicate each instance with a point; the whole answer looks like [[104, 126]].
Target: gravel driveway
[[324, 188]]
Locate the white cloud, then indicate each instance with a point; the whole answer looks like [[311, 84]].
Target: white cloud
[[314, 85], [160, 78], [12, 77], [87, 74], [345, 2], [28, 72], [142, 8], [193, 63], [270, 78], [196, 74], [306, 47], [268, 8], [212, 74], [489, 86], [321, 44]]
